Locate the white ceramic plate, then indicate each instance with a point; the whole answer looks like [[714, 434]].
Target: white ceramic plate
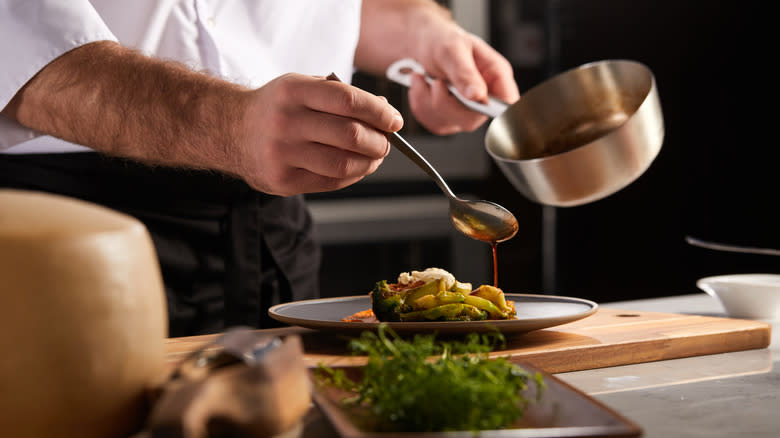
[[533, 312]]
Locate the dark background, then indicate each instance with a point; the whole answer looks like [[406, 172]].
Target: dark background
[[714, 178]]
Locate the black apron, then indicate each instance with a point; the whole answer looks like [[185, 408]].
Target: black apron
[[227, 252]]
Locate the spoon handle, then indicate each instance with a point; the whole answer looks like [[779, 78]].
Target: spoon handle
[[731, 248], [407, 149]]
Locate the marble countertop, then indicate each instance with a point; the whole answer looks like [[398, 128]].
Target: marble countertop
[[721, 395]]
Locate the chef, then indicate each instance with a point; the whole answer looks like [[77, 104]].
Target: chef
[[208, 120]]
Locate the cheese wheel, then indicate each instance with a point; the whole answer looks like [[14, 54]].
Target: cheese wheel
[[83, 318]]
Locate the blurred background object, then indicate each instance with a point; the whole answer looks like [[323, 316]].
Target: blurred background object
[[746, 296], [83, 318], [713, 178]]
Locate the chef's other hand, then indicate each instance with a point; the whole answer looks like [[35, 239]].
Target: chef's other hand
[[453, 55], [307, 134]]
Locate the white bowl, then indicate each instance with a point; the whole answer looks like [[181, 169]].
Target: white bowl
[[752, 296]]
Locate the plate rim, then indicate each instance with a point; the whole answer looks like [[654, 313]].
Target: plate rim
[[504, 326]]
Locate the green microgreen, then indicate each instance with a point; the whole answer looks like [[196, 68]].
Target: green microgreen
[[428, 385]]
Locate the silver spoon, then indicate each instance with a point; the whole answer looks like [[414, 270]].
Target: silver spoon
[[730, 248], [481, 220]]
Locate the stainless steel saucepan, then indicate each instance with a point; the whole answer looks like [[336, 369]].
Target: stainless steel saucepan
[[575, 138]]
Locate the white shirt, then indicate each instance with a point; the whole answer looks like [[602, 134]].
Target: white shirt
[[245, 41]]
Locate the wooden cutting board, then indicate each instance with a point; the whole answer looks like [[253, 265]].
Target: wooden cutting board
[[607, 338]]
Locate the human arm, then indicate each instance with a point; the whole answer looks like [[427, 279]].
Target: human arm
[[423, 30], [296, 134]]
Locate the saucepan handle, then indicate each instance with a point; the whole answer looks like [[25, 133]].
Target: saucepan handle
[[401, 72]]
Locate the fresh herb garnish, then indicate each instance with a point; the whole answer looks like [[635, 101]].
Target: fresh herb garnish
[[427, 385]]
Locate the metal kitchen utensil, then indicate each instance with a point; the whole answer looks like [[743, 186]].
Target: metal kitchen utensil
[[575, 138], [731, 248], [480, 220], [237, 344]]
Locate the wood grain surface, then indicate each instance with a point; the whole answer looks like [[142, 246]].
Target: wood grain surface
[[610, 337]]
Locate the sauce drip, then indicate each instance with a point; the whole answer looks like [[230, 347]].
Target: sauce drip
[[479, 230], [493, 246]]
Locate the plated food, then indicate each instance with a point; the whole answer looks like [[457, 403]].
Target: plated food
[[434, 295], [421, 302]]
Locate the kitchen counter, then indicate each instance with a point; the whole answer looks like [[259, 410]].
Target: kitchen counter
[[730, 394], [721, 395]]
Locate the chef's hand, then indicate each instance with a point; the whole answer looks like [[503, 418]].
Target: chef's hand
[[308, 134], [453, 55]]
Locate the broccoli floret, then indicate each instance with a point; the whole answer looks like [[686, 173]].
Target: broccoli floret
[[385, 302]]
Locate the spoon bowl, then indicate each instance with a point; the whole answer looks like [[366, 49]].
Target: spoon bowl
[[480, 220], [483, 220]]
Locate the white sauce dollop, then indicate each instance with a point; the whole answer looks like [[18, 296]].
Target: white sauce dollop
[[426, 276]]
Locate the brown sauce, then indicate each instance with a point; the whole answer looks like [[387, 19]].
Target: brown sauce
[[493, 246], [581, 133]]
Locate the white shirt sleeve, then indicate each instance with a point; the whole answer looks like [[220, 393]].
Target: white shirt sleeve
[[32, 34]]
